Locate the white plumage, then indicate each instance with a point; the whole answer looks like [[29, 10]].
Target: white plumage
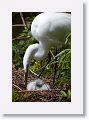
[[49, 29], [37, 85]]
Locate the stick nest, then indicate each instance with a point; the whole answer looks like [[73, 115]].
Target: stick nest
[[19, 94]]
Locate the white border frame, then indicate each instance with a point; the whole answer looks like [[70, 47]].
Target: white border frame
[[76, 104]]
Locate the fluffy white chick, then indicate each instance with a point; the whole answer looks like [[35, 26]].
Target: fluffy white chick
[[37, 84]]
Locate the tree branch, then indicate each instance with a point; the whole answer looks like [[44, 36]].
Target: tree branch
[[21, 38], [17, 87], [22, 18], [23, 91], [18, 25]]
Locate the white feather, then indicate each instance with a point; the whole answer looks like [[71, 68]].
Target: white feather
[[33, 85], [49, 29]]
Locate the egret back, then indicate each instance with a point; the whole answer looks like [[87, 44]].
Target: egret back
[[53, 27]]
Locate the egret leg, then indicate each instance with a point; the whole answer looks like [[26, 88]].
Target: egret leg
[[26, 76], [45, 65]]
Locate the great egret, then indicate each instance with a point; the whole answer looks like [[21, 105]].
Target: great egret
[[38, 84], [49, 29]]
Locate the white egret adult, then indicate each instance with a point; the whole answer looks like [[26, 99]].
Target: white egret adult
[[49, 29]]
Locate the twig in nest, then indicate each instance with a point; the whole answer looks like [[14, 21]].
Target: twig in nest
[[17, 87], [44, 100], [23, 91]]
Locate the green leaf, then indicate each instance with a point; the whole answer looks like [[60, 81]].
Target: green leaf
[[68, 38], [68, 94], [63, 54], [63, 94]]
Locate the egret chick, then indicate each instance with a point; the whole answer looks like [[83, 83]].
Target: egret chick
[[38, 84]]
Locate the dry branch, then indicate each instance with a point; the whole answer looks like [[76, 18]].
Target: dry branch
[[22, 18], [17, 87], [18, 25], [21, 38], [23, 91], [52, 54]]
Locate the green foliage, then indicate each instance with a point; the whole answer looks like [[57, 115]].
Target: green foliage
[[65, 96], [35, 66], [19, 46], [62, 59], [64, 63], [16, 97], [18, 50], [22, 97]]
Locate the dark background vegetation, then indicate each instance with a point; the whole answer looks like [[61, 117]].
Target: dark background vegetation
[[59, 69]]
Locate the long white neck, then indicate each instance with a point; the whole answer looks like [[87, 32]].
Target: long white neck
[[42, 51], [30, 51], [36, 51]]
